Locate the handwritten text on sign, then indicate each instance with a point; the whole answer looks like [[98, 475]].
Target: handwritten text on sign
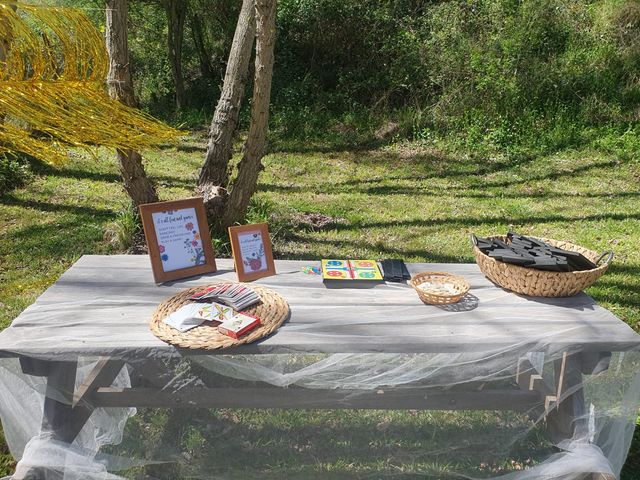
[[179, 239], [252, 251]]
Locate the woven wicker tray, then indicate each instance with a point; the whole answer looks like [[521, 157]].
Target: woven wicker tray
[[272, 311]]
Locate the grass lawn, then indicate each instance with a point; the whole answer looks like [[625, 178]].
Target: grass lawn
[[403, 200]]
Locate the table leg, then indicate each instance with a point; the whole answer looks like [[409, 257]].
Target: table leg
[[66, 409], [567, 419], [565, 409], [57, 418]]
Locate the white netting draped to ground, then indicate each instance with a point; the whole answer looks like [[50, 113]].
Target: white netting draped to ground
[[512, 388]]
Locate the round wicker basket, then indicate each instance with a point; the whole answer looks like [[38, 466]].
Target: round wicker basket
[[540, 283], [273, 310], [439, 288]]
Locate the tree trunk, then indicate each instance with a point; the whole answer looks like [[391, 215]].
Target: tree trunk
[[136, 182], [201, 47], [251, 164], [5, 44], [176, 12], [214, 176]]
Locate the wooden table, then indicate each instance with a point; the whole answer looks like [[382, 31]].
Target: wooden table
[[101, 307]]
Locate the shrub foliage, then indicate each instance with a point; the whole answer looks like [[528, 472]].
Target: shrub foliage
[[492, 71]]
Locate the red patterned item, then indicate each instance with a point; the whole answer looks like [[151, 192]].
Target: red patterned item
[[239, 325]]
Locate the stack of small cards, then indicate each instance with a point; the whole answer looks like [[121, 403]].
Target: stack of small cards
[[226, 315], [236, 296], [240, 324]]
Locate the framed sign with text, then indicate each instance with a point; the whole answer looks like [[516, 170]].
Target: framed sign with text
[[178, 239], [252, 254]]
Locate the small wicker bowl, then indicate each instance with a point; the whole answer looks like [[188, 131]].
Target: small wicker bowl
[[443, 288]]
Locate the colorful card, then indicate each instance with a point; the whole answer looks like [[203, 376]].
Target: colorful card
[[351, 270], [239, 325], [216, 312]]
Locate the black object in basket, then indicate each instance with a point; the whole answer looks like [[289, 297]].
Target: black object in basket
[[533, 253]]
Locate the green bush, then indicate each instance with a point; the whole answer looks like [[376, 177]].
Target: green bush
[[496, 74], [500, 73], [13, 173], [126, 230]]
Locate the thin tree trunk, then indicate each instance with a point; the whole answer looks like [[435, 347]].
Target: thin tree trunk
[[5, 44], [136, 182], [176, 13], [201, 48], [214, 176], [251, 164]]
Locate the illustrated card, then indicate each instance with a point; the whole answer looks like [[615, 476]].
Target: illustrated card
[[216, 312], [195, 314]]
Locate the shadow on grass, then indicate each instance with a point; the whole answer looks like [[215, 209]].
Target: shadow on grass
[[359, 186], [191, 148], [484, 221], [631, 469], [388, 190], [284, 145], [44, 169], [620, 294], [56, 207], [67, 238], [393, 252]]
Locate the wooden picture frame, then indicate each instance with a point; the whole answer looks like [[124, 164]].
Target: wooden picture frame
[[252, 253], [178, 239]]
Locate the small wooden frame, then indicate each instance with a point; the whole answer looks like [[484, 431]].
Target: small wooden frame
[[252, 254], [178, 238]]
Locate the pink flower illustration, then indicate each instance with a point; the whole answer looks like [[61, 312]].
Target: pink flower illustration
[[161, 248], [189, 226], [194, 243]]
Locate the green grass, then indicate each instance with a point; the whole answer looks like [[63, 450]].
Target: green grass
[[330, 444], [405, 200]]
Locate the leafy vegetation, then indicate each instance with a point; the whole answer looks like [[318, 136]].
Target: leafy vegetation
[[13, 173], [502, 74]]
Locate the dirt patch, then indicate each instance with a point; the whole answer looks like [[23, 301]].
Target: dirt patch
[[317, 221], [139, 245]]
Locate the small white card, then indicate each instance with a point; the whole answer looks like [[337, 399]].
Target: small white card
[[194, 314]]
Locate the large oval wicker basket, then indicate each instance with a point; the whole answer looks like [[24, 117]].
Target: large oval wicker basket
[[540, 283]]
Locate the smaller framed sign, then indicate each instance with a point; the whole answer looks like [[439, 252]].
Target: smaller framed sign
[[252, 254], [178, 239]]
